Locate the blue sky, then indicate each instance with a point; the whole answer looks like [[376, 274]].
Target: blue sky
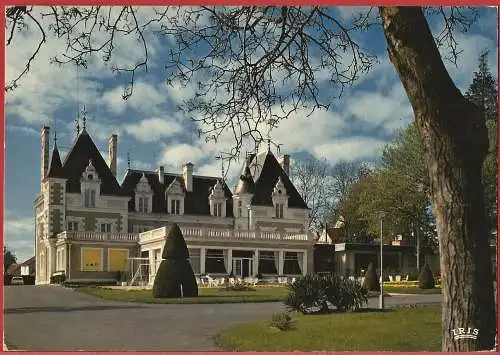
[[154, 133]]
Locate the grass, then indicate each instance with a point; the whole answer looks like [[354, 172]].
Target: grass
[[206, 295], [400, 329], [415, 290]]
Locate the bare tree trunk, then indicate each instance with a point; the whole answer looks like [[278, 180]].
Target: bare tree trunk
[[456, 142]]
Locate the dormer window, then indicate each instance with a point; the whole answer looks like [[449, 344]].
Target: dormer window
[[89, 196], [143, 204], [175, 198], [175, 206], [143, 196], [90, 186], [279, 210], [218, 209], [217, 200], [280, 199]]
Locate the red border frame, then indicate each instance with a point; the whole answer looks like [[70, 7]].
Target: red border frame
[[222, 2]]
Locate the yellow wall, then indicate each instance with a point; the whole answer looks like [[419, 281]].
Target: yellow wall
[[91, 259], [118, 259]]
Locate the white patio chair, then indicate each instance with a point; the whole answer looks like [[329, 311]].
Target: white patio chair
[[231, 280], [398, 278], [222, 281], [391, 278]]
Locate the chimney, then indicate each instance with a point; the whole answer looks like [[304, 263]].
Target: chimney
[[161, 175], [188, 176], [45, 151], [112, 152], [285, 163]]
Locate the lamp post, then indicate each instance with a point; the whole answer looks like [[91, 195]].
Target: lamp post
[[381, 215]]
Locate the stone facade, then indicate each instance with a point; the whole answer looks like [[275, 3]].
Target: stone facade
[[89, 226]]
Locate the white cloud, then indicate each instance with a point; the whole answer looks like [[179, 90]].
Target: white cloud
[[351, 148], [145, 99], [390, 110], [19, 235], [175, 156], [152, 129]]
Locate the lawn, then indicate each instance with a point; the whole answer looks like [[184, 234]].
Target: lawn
[[410, 290], [401, 329], [206, 295]]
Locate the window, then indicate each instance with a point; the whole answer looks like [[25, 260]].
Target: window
[[91, 259], [267, 262], [214, 262], [291, 264], [118, 260], [73, 226], [218, 209], [175, 206], [106, 227], [194, 259], [143, 205], [89, 198], [279, 210]]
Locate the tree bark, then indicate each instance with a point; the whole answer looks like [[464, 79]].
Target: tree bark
[[456, 142]]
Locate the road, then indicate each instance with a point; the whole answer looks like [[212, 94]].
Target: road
[[52, 318]]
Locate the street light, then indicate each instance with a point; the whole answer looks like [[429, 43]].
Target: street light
[[381, 215]]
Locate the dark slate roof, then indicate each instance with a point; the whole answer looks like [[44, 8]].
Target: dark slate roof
[[268, 177], [196, 202], [55, 168], [246, 184], [77, 160]]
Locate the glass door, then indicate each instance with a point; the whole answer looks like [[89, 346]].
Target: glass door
[[237, 267]]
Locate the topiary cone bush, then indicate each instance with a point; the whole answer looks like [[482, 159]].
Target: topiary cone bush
[[426, 279], [371, 283], [175, 277]]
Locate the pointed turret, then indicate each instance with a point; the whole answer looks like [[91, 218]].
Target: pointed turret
[[55, 168], [246, 184]]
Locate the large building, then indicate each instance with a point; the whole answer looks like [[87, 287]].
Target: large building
[[89, 225]]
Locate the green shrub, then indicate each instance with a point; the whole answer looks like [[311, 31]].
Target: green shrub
[[238, 286], [316, 293], [426, 279], [371, 283], [175, 277], [282, 321]]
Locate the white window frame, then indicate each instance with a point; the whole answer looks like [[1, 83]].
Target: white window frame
[[89, 197], [107, 227], [177, 210], [74, 226]]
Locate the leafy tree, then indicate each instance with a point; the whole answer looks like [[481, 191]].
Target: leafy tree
[[9, 258], [259, 68], [484, 93], [175, 277], [311, 178]]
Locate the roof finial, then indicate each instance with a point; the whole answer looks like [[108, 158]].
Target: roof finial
[[55, 137], [128, 160], [84, 118], [77, 121]]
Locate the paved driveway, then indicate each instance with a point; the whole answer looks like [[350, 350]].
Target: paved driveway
[[51, 318]]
